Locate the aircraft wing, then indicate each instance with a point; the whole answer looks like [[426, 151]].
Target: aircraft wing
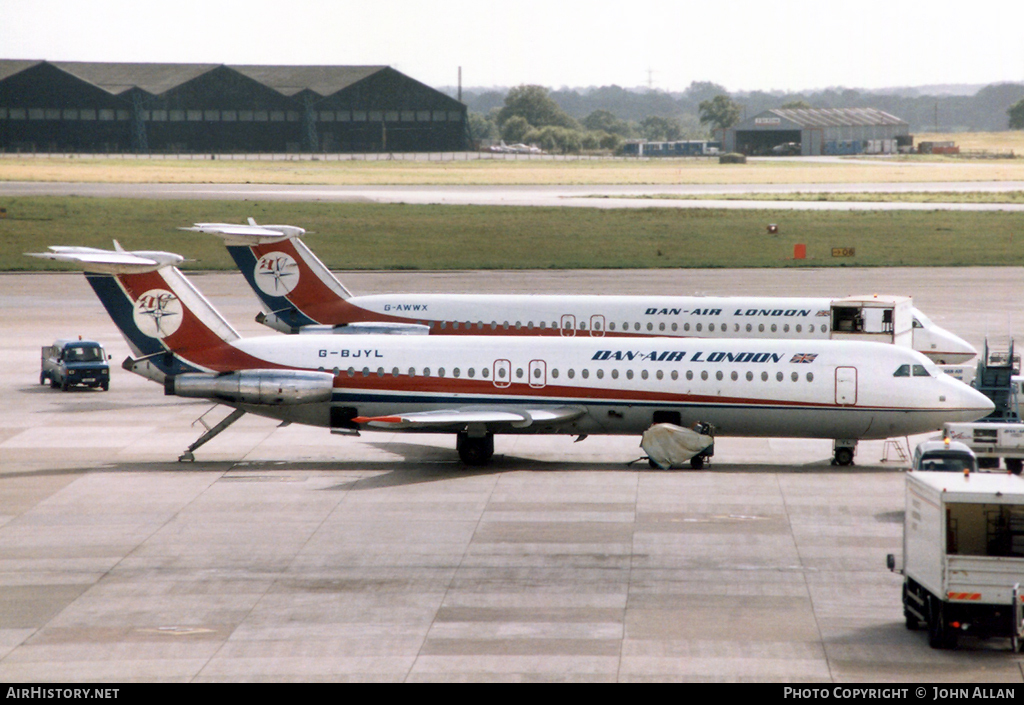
[[456, 419]]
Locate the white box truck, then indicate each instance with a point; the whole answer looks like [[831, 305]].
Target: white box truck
[[963, 556]]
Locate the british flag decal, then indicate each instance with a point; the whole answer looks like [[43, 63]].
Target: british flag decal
[[804, 357]]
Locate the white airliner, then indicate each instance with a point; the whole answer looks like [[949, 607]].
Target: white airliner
[[475, 387], [298, 291]]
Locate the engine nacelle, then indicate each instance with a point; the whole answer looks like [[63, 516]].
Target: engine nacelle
[[274, 387]]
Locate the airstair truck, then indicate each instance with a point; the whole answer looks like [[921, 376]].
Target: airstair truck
[[963, 556], [1001, 433]]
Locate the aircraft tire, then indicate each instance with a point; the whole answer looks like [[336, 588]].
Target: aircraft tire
[[475, 451], [844, 456]]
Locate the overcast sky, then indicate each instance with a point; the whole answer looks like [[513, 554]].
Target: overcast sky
[[741, 44]]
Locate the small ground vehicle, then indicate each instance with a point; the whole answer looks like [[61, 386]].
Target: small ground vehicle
[[71, 362], [963, 556], [944, 456]]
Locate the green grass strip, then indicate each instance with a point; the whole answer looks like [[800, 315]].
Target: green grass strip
[[395, 236]]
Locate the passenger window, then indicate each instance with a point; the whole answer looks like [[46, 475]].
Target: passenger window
[[778, 376], [643, 375], [659, 374], [774, 327], [456, 372], [699, 327], [485, 373], [902, 371], [760, 328], [366, 372], [920, 371], [650, 326], [571, 373], [585, 374], [675, 374], [661, 326], [440, 372], [472, 373], [735, 375], [704, 375], [394, 372], [426, 371], [380, 371], [795, 376], [749, 327], [785, 328], [412, 371], [611, 326], [718, 375], [519, 373], [750, 376], [686, 326], [799, 328], [636, 326], [810, 376], [764, 376], [615, 374], [600, 374], [629, 374], [554, 373], [675, 327], [711, 327], [689, 375]]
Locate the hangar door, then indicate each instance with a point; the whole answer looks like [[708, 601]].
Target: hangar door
[[760, 142]]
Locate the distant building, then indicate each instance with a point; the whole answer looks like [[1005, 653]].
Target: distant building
[[818, 131], [209, 108]]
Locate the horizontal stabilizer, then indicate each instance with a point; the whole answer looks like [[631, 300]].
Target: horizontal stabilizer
[[458, 418], [252, 234], [118, 261], [669, 446]]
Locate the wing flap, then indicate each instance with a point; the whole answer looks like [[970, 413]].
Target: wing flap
[[462, 417]]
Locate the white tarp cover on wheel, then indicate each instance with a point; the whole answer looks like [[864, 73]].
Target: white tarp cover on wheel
[[668, 445]]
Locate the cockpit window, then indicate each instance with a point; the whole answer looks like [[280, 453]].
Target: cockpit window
[[902, 371], [920, 371], [917, 323]]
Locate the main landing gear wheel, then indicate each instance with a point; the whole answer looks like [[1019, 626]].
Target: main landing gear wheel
[[475, 451], [843, 456]]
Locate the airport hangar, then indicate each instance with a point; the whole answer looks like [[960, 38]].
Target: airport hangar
[[821, 131], [209, 108]]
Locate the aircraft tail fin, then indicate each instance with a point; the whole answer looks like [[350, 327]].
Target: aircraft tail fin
[[295, 288], [165, 320]]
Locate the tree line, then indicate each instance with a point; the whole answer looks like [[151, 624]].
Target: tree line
[[569, 120]]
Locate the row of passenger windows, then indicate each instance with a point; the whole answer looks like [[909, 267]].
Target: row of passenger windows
[[626, 326], [537, 372]]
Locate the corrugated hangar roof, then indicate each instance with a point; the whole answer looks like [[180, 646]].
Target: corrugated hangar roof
[[322, 80], [118, 78], [836, 117], [156, 79]]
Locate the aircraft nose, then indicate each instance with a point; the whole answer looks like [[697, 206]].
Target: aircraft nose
[[972, 404], [954, 348]]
